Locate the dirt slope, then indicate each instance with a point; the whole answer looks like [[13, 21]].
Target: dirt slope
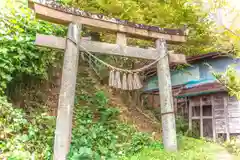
[[140, 119]]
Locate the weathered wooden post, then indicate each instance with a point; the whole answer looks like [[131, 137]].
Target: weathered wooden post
[[165, 91], [67, 94]]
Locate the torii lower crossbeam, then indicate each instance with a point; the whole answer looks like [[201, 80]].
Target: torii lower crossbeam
[[107, 48]]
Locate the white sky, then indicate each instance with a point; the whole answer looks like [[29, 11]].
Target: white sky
[[228, 19], [235, 3]]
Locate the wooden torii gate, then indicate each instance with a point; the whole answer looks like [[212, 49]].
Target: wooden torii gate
[[50, 11]]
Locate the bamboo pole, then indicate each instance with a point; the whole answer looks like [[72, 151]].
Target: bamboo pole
[[67, 92], [166, 99]]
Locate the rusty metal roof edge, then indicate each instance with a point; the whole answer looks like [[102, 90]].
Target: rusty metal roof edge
[[191, 59], [203, 56]]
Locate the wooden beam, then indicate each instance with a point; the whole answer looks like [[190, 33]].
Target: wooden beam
[[225, 101], [176, 58], [50, 41], [190, 115], [121, 39], [107, 48], [67, 93], [213, 119], [63, 17], [166, 99], [204, 117], [201, 117]]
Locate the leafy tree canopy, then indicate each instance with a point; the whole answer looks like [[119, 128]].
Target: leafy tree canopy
[[163, 13], [226, 16]]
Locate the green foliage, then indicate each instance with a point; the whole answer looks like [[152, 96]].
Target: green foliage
[[23, 136], [228, 33], [18, 54], [98, 134], [189, 149], [24, 133], [163, 13], [231, 79], [232, 146], [181, 125], [182, 128]]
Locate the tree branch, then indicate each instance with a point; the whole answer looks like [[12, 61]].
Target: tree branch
[[238, 35]]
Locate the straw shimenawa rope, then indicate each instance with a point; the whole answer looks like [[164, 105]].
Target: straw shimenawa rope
[[124, 70], [130, 79]]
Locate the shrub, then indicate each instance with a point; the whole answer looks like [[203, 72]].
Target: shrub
[[181, 125], [24, 136], [18, 54], [98, 134]]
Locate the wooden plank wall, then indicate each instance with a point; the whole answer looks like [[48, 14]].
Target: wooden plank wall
[[234, 115], [220, 110], [221, 115], [227, 114], [181, 107], [220, 121]]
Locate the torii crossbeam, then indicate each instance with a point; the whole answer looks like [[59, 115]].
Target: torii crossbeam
[[50, 11]]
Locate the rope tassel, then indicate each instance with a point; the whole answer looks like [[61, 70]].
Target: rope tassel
[[118, 83], [137, 82], [110, 78], [130, 81], [113, 78], [124, 82], [82, 56], [135, 85]]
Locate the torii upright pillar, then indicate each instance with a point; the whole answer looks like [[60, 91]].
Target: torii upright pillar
[[67, 93], [166, 100]]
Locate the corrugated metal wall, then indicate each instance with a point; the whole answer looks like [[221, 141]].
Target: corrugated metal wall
[[196, 71]]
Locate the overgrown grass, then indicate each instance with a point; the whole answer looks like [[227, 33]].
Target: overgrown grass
[[233, 146], [98, 134], [189, 149]]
